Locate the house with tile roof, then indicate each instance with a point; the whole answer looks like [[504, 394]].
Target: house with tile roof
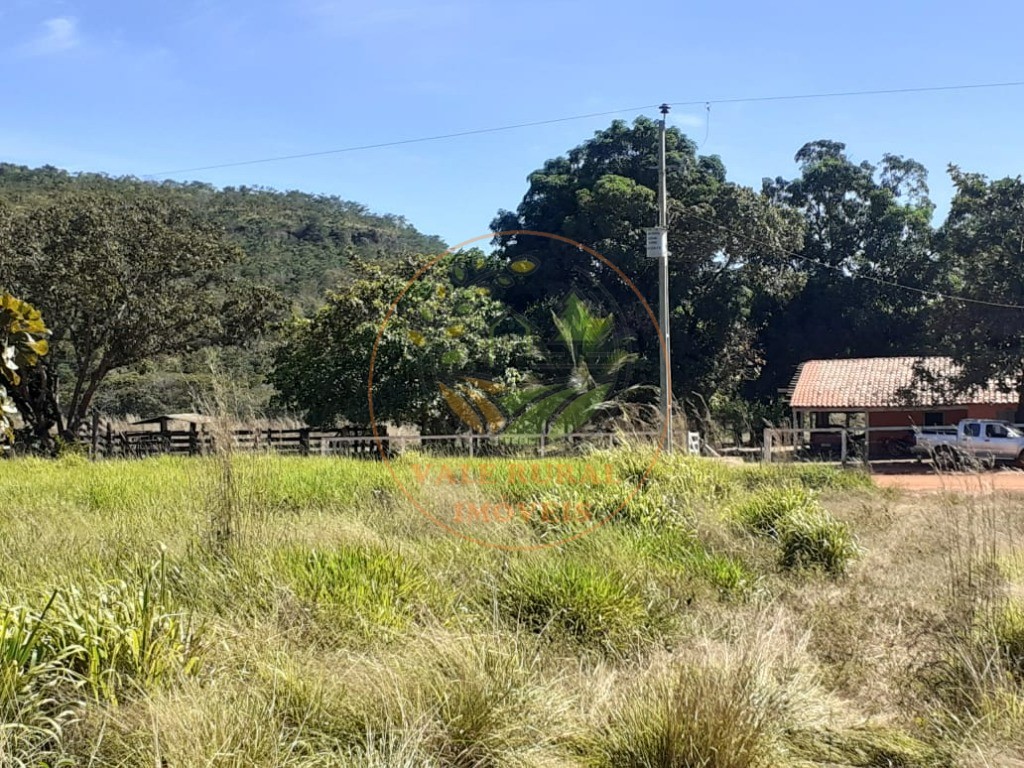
[[888, 393]]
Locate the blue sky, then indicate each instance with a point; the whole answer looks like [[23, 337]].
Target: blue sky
[[138, 88]]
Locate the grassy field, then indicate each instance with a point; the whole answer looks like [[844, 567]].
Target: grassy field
[[264, 611]]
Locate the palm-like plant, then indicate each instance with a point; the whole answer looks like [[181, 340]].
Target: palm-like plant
[[596, 358], [592, 348]]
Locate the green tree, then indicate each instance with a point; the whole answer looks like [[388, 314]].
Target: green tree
[[438, 334], [982, 247], [23, 343], [727, 244], [125, 279], [295, 243], [863, 225]]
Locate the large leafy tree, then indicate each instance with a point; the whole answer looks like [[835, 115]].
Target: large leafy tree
[[439, 334], [982, 248], [123, 279], [727, 244], [866, 227]]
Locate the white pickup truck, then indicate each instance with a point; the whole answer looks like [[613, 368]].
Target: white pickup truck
[[983, 439]]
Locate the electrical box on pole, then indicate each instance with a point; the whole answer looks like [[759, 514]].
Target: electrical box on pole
[[657, 243]]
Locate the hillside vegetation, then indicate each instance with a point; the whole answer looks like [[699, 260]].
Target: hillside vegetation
[[298, 242], [266, 611]]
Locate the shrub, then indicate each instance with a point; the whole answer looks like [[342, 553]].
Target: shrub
[[815, 540], [111, 644], [587, 604], [728, 575], [492, 705], [126, 639], [356, 587], [708, 716], [37, 689], [766, 512]]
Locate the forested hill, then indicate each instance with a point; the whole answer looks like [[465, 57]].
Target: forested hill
[[295, 241]]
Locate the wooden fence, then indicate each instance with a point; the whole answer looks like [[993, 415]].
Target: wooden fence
[[106, 442]]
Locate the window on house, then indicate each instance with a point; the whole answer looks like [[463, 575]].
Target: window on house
[[934, 419]]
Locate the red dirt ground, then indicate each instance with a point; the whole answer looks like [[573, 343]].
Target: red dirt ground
[[912, 476]]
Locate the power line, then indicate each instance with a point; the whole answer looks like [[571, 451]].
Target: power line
[[554, 120], [839, 268], [400, 142], [843, 94]]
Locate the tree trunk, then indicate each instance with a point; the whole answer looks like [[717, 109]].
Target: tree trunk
[[79, 410]]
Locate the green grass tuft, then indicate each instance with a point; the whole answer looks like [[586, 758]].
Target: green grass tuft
[[358, 588], [813, 539], [582, 602]]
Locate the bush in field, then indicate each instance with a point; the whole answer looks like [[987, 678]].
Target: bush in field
[[808, 537], [38, 692], [767, 511], [585, 603], [111, 644], [813, 539], [356, 587], [127, 638], [707, 716], [492, 704]]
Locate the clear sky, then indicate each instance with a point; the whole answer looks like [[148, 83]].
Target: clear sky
[[129, 87]]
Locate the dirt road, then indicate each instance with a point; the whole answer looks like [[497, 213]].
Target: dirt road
[[927, 480]]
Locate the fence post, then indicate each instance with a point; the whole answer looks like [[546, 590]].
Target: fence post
[[95, 435], [110, 440], [542, 437], [304, 441], [193, 439], [766, 448], [471, 442], [842, 448]]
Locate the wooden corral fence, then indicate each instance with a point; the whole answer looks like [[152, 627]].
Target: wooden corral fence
[[105, 441]]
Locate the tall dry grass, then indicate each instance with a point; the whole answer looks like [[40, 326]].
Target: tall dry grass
[[241, 610]]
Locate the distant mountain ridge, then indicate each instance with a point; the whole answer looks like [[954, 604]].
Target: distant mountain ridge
[[298, 242]]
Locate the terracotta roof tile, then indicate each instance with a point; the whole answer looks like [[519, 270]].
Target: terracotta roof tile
[[882, 382]]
